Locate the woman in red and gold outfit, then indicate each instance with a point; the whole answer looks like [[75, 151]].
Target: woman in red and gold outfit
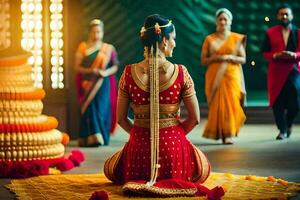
[[157, 149]]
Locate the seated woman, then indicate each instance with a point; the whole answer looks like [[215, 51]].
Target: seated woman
[[157, 149]]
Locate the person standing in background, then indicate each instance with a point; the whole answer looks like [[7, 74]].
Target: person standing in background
[[223, 52], [96, 64], [281, 48]]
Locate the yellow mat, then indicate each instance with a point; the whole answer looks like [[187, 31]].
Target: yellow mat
[[82, 186]]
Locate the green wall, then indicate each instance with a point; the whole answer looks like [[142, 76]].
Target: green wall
[[193, 19]]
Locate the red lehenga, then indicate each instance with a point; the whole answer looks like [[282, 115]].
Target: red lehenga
[[178, 157]]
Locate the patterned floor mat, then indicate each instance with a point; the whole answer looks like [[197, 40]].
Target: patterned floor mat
[[63, 187]]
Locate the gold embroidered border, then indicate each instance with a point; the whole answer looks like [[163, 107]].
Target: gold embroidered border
[[165, 192], [163, 123], [163, 108], [203, 166], [162, 86], [110, 166]]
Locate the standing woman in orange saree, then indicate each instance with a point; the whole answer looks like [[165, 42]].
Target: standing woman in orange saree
[[96, 63], [223, 52]]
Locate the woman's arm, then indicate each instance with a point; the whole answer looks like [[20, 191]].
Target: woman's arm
[[115, 63], [240, 58], [190, 101], [206, 57], [192, 107], [123, 121], [107, 72], [78, 68], [123, 104]]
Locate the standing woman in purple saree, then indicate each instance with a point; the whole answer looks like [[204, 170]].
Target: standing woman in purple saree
[[96, 64]]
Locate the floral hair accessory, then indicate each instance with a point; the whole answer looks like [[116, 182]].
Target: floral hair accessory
[[142, 31], [157, 29]]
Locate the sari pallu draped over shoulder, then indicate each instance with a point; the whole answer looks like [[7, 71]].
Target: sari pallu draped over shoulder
[[97, 96], [225, 90]]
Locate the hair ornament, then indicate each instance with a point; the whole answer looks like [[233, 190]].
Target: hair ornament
[[157, 28], [142, 31]]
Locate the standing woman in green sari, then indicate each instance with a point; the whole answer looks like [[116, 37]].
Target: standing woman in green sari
[[96, 64]]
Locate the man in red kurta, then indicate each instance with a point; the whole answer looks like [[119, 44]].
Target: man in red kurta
[[281, 49]]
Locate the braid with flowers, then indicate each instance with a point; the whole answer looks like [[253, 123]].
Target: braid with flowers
[[155, 29]]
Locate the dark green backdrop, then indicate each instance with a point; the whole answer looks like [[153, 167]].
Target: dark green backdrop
[[194, 19]]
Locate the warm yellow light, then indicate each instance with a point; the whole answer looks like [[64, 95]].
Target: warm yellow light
[[30, 43], [54, 70], [23, 24], [60, 77], [24, 43], [38, 7], [253, 63], [38, 69], [60, 43], [37, 33], [61, 85], [30, 25], [56, 34], [30, 7], [61, 60], [267, 19], [31, 60], [54, 85], [56, 52], [38, 85], [59, 8], [23, 7], [59, 25], [39, 43], [54, 77], [56, 43], [53, 25], [39, 25], [54, 61], [56, 16], [39, 60], [53, 43], [38, 52], [32, 38], [39, 77], [53, 8]]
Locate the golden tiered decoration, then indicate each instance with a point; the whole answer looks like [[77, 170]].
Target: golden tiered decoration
[[25, 134]]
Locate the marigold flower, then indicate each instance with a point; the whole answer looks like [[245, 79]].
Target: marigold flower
[[157, 29]]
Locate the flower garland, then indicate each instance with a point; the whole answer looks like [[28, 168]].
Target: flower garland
[[24, 169], [50, 124], [13, 61], [36, 94]]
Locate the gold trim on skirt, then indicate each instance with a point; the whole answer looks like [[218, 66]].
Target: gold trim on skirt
[[163, 123]]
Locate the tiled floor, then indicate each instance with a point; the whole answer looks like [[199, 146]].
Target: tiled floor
[[255, 152]]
